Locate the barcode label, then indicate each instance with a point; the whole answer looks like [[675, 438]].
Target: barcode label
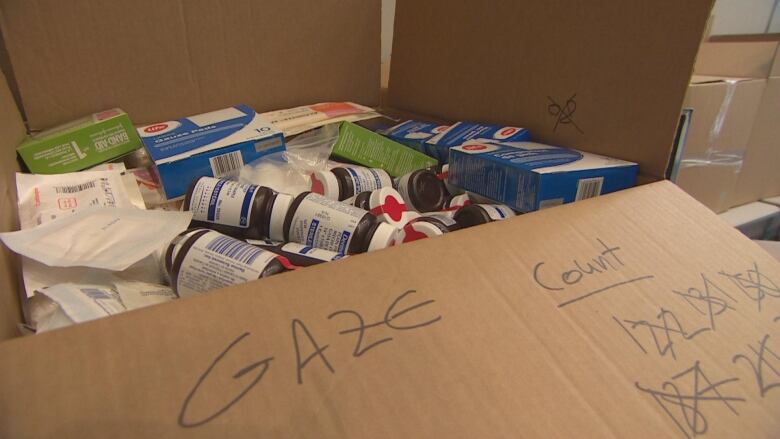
[[235, 249], [589, 188], [226, 163], [75, 188]]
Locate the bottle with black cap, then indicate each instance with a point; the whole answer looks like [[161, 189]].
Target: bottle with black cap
[[236, 209], [205, 260], [386, 204], [299, 255], [427, 226], [319, 222], [422, 190], [347, 181], [476, 214]]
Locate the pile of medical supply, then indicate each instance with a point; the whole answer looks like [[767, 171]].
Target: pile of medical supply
[[183, 207]]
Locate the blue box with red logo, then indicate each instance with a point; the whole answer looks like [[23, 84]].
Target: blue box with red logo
[[461, 132], [529, 176], [415, 135], [214, 144]]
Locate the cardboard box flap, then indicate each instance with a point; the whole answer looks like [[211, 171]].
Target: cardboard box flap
[[13, 132], [736, 58], [161, 60], [602, 76], [636, 314]]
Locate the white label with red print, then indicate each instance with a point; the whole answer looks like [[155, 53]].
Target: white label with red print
[[476, 148], [506, 132], [43, 198], [158, 128]]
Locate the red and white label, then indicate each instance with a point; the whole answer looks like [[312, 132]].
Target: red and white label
[[158, 128], [506, 132]]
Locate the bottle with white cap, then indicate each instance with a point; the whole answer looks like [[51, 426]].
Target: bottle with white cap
[[422, 190], [204, 260], [386, 204], [237, 209], [319, 222], [347, 181], [476, 214], [427, 226]]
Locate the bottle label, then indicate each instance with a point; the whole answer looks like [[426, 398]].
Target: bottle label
[[402, 186], [311, 252], [444, 217], [498, 212], [222, 201], [216, 261], [367, 179], [326, 224]]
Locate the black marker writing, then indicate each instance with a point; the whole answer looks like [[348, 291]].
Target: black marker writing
[[754, 284], [607, 260], [766, 360], [389, 321], [319, 352], [662, 332], [262, 365], [564, 115], [703, 301], [684, 396]]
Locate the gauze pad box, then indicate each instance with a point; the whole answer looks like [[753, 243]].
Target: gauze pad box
[[215, 144]]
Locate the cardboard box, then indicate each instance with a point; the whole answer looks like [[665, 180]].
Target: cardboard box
[[529, 176], [215, 144], [80, 144], [759, 176], [543, 326], [756, 220], [723, 113], [745, 59]]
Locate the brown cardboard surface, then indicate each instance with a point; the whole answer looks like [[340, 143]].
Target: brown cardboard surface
[[161, 60], [616, 91], [503, 336], [749, 59], [13, 132], [760, 173], [717, 137]]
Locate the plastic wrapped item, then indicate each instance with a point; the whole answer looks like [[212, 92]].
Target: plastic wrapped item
[[76, 303], [111, 239], [290, 171], [42, 198]]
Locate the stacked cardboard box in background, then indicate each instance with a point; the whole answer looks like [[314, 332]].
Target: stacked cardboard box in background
[[732, 154]]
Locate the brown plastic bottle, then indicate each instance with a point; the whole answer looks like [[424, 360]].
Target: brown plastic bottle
[[205, 260], [235, 209], [476, 214], [347, 181], [318, 222]]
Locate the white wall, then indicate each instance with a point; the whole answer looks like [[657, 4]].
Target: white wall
[[388, 14], [745, 17]]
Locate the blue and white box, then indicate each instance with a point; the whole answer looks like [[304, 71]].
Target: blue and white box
[[529, 176], [215, 144], [414, 134], [461, 132]]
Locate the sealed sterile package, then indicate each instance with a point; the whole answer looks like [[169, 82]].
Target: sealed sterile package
[[136, 295], [289, 171], [111, 239], [77, 303], [43, 198]]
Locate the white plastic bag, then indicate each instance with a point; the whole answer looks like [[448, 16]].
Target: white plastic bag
[[289, 171], [111, 239]]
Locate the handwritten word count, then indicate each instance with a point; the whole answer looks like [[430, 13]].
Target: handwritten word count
[[557, 279]]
